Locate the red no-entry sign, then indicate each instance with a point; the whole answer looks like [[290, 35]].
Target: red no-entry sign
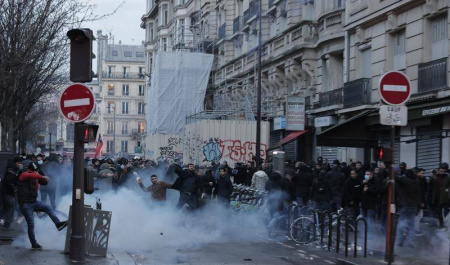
[[394, 88], [76, 103]]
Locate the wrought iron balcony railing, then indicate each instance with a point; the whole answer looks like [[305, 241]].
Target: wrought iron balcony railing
[[357, 92], [330, 98], [432, 75], [121, 75]]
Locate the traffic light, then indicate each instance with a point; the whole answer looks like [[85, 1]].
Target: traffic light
[[379, 153], [87, 133], [88, 181], [81, 55]]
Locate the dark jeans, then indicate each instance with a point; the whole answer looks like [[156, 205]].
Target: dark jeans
[[190, 199], [28, 209], [51, 195], [406, 223], [440, 209], [8, 209]]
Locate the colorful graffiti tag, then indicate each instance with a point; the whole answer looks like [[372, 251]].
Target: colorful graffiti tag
[[237, 151], [211, 150]]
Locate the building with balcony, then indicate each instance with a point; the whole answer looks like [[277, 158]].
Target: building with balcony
[[331, 54], [121, 97], [391, 35]]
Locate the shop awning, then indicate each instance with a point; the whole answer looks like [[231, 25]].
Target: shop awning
[[352, 132], [291, 137]]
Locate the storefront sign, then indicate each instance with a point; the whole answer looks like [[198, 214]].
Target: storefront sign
[[435, 111], [394, 115], [325, 121], [279, 123], [295, 112]]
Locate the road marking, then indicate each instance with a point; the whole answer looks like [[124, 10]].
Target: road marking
[[76, 102], [302, 251], [329, 261], [315, 256]]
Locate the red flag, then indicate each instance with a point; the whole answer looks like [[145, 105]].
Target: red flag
[[98, 149]]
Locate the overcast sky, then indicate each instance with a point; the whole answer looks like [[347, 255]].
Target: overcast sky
[[124, 25]]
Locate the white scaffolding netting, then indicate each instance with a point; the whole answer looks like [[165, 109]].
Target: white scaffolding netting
[[178, 85]]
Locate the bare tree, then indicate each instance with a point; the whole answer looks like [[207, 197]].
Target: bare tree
[[33, 55]]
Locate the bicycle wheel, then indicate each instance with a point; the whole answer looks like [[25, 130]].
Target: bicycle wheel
[[303, 230]]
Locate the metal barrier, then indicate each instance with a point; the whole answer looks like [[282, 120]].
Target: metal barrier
[[322, 223], [330, 230]]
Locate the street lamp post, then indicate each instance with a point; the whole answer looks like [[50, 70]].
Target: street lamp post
[[258, 107]]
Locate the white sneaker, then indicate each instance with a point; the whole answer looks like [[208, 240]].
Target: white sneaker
[[2, 222], [19, 220]]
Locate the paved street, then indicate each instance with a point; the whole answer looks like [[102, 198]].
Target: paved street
[[260, 250]]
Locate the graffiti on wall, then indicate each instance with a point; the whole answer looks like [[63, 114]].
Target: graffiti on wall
[[232, 150], [238, 151], [170, 152], [211, 150]]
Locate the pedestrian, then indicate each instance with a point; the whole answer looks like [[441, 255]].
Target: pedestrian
[[321, 192], [336, 179], [259, 180], [275, 199], [223, 188], [27, 192], [371, 189], [8, 192], [208, 183], [158, 189], [352, 193], [439, 193], [188, 185], [420, 174], [303, 181], [408, 200]]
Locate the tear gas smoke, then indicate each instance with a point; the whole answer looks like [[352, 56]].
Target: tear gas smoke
[[137, 223]]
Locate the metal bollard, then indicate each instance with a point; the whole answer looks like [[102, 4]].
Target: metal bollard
[[347, 230], [338, 231]]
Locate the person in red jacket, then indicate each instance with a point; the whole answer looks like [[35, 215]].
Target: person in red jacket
[[27, 192]]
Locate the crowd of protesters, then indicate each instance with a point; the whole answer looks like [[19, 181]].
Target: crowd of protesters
[[359, 190]]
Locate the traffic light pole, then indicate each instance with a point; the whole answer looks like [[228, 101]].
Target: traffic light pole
[[390, 224], [77, 237]]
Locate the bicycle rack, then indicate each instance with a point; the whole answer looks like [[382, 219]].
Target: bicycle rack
[[355, 248], [330, 230], [338, 230], [322, 222]]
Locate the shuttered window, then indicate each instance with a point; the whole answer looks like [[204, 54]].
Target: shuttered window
[[428, 153]]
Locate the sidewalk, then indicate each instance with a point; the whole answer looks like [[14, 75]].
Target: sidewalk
[[13, 255]]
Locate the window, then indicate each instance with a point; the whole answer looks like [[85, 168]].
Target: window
[[124, 107], [125, 90], [181, 26], [125, 72], [399, 51], [110, 71], [127, 54], [124, 146], [150, 31], [165, 15], [439, 39], [164, 44], [110, 125], [141, 90], [140, 54], [124, 127], [109, 146], [141, 126], [326, 80], [367, 63], [141, 106], [115, 53], [141, 72]]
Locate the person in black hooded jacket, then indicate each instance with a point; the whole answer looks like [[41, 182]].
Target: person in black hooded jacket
[[303, 181], [8, 191], [353, 189], [188, 184], [408, 200], [321, 192], [275, 198]]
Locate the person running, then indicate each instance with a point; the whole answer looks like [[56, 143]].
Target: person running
[[27, 192]]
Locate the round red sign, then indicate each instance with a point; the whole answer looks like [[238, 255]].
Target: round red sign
[[77, 103], [394, 88]]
